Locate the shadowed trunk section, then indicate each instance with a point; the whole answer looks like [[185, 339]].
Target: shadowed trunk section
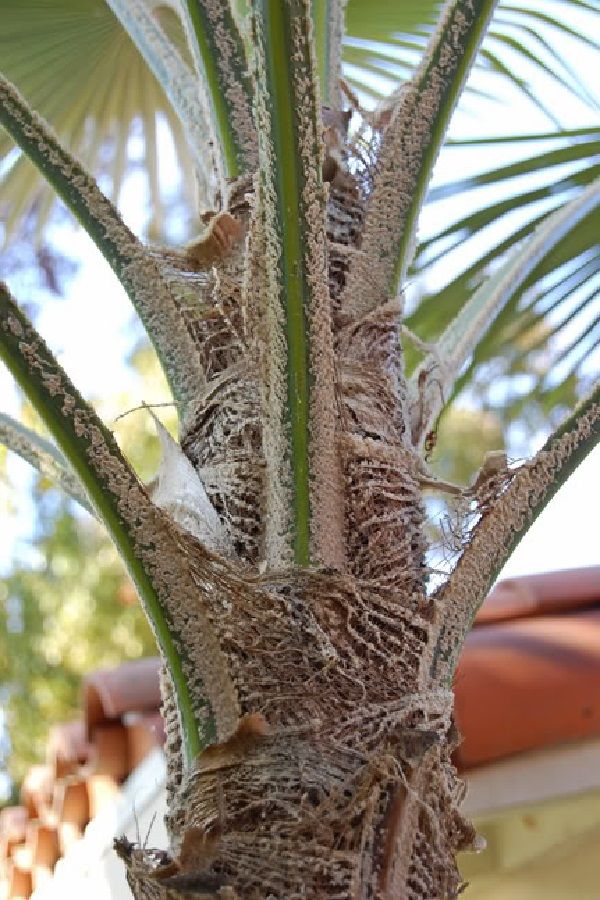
[[337, 782]]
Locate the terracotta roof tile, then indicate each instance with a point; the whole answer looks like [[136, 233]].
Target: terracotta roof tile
[[144, 732], [82, 776], [19, 884], [67, 747], [13, 824], [101, 790], [109, 693], [527, 684], [110, 751], [45, 851], [542, 594]]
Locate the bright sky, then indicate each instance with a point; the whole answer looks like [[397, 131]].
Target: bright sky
[[90, 329]]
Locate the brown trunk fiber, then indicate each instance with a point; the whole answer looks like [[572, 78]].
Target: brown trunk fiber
[[341, 785], [291, 817], [337, 782]]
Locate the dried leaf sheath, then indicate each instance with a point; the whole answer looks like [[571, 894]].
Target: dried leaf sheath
[[300, 446], [178, 489], [222, 435], [413, 131]]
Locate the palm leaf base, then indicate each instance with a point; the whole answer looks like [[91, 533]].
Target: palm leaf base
[[343, 787]]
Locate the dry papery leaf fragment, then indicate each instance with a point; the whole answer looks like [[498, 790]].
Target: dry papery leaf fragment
[[177, 488]]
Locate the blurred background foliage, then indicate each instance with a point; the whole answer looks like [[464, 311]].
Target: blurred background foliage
[[74, 612], [67, 608]]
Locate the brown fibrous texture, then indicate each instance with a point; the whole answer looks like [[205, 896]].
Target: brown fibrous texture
[[336, 780]]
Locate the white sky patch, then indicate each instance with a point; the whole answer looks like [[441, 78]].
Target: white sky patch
[[565, 535]]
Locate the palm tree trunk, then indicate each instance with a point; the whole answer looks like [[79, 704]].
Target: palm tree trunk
[[342, 785], [337, 781]]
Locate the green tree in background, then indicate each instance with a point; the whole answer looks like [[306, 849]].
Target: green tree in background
[[282, 554], [76, 609], [59, 621]]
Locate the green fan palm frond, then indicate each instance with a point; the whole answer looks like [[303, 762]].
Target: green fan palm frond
[[44, 43], [114, 95], [554, 316], [551, 325], [74, 63], [384, 42]]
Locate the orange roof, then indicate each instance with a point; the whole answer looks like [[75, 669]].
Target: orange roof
[[87, 759], [529, 673]]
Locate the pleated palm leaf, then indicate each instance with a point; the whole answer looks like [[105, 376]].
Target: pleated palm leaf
[[549, 334], [281, 554]]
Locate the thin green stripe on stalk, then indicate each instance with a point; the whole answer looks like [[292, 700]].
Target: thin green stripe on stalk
[[110, 484], [218, 51], [328, 32], [321, 37], [294, 207], [43, 456], [276, 20], [129, 260]]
